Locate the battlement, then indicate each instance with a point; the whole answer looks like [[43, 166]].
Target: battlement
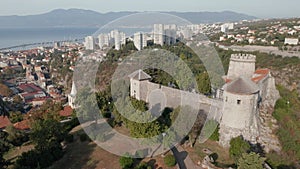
[[243, 57]]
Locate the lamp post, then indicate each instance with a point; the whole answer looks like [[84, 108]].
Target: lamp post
[[288, 106], [163, 148]]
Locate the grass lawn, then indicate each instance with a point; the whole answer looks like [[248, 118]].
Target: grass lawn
[[86, 155], [196, 153]]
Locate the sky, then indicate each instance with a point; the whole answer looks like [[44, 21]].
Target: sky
[[258, 8]]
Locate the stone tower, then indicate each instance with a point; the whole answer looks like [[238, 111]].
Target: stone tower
[[136, 79], [241, 64], [240, 111]]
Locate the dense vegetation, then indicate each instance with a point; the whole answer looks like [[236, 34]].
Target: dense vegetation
[[287, 114]]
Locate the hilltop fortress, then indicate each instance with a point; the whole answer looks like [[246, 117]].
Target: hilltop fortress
[[246, 101]]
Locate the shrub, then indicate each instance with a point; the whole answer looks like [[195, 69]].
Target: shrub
[[170, 160], [238, 146], [126, 162], [69, 138], [83, 137], [106, 115], [251, 160], [143, 165]]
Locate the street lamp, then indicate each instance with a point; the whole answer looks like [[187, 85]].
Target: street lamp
[[164, 135], [288, 105]]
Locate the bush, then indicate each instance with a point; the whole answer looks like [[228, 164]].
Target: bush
[[69, 138], [35, 159], [251, 160], [170, 160], [238, 146], [83, 137], [126, 162], [143, 165], [106, 115]]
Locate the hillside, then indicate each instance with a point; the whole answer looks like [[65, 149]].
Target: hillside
[[88, 18]]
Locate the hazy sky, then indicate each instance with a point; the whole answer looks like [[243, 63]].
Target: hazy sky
[[259, 8]]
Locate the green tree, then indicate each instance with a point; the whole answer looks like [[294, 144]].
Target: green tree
[[4, 147], [203, 82], [15, 117], [250, 161], [238, 146], [47, 132], [15, 137]]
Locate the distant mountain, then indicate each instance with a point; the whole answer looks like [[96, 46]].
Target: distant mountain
[[88, 18]]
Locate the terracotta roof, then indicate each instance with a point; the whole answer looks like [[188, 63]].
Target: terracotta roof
[[262, 71], [23, 125], [242, 85], [260, 74], [29, 88], [139, 75], [68, 111], [4, 122]]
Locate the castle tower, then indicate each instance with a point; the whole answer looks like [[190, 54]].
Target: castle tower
[[136, 78], [240, 112], [72, 96], [241, 65]]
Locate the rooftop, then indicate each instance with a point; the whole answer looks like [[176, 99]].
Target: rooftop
[[139, 75], [242, 85], [4, 122], [68, 111]]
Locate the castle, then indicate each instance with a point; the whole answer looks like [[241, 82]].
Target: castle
[[246, 95], [246, 98]]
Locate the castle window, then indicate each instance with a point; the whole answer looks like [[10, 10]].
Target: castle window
[[239, 102]]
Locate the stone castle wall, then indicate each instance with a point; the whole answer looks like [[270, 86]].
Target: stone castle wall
[[241, 64]]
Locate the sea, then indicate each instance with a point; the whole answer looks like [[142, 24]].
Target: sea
[[19, 36], [10, 37]]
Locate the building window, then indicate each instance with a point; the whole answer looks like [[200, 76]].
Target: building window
[[239, 102], [226, 99]]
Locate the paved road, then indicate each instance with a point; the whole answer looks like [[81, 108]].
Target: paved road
[[183, 160], [264, 49]]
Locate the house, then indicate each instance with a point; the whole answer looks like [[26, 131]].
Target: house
[[291, 41], [23, 125], [66, 112]]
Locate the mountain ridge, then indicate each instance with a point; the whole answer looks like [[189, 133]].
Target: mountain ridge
[[88, 18]]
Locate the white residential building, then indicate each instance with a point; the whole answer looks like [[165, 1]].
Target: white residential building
[[119, 38], [291, 41], [164, 34], [103, 40], [140, 40], [158, 34], [89, 43]]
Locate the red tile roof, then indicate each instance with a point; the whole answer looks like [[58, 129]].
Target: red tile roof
[[68, 111], [29, 88], [260, 74], [23, 125], [4, 122]]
